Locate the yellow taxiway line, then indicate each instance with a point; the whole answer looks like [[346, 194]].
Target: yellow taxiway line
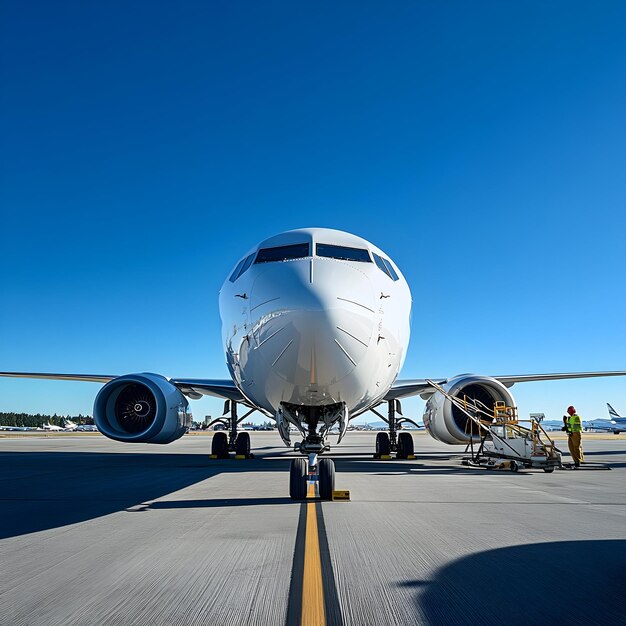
[[313, 613]]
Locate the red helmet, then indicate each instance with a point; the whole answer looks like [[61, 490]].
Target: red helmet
[[571, 410]]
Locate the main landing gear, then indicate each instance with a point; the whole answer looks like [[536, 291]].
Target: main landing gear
[[236, 442], [391, 441], [303, 473]]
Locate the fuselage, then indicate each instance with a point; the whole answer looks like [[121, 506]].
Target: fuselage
[[314, 317]]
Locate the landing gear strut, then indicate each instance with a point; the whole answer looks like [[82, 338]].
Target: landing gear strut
[[313, 423], [388, 442]]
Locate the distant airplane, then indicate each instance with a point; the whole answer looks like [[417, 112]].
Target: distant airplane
[[52, 427], [615, 424], [551, 425], [315, 329]]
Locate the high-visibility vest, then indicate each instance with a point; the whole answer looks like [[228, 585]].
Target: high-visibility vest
[[574, 424]]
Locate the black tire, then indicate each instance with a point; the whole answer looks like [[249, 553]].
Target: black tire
[[383, 445], [514, 466], [219, 445], [298, 479], [405, 445], [548, 470], [242, 445], [326, 477]]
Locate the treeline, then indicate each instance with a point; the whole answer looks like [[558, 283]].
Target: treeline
[[37, 421]]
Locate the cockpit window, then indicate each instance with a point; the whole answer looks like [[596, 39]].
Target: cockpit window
[[385, 266], [381, 264], [242, 266], [233, 276], [246, 264], [390, 269], [343, 253], [283, 253]]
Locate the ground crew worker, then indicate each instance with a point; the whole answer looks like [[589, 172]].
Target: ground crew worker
[[574, 428]]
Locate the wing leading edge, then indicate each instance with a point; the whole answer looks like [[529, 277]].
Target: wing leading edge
[[414, 387], [225, 388], [193, 387]]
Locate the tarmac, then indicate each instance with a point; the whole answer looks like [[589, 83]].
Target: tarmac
[[97, 532]]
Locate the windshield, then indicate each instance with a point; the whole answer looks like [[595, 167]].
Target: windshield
[[283, 253], [343, 253]]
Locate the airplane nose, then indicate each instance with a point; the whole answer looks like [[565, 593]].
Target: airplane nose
[[313, 319]]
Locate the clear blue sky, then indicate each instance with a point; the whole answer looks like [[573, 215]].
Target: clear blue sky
[[145, 146]]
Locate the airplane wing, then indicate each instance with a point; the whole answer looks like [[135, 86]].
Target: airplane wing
[[414, 387], [223, 388], [193, 387]]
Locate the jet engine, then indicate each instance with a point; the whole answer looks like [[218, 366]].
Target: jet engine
[[141, 408], [449, 424]]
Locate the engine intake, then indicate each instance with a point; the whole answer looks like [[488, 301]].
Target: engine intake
[[142, 408], [449, 424]]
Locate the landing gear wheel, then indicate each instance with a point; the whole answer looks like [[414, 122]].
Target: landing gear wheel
[[383, 445], [242, 445], [514, 466], [298, 479], [548, 470], [405, 446], [219, 445], [326, 477]]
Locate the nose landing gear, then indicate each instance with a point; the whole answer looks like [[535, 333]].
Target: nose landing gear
[[313, 423], [326, 478], [304, 473], [298, 479]]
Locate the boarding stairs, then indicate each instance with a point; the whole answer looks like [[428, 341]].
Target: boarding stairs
[[499, 441]]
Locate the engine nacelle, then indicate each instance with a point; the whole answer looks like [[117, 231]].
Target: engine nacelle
[[141, 408], [446, 422]]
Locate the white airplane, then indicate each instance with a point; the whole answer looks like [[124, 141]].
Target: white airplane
[[552, 425], [315, 328], [68, 426], [615, 424], [52, 427]]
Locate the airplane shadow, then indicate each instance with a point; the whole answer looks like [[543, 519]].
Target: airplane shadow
[[414, 467], [218, 502], [44, 490], [563, 582], [52, 489], [603, 452]]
